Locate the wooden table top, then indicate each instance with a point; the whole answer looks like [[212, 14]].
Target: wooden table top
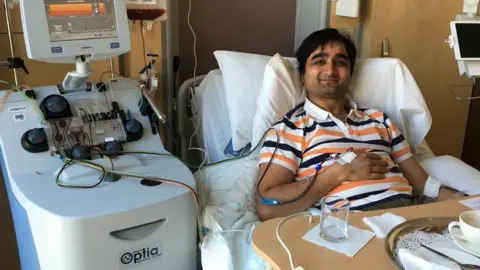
[[312, 256]]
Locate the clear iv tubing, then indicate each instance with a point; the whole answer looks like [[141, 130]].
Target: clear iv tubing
[[126, 79]]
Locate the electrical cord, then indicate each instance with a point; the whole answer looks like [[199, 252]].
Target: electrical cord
[[194, 42], [192, 89], [106, 172], [91, 165], [279, 238]]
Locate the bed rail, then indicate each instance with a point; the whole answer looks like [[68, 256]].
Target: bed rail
[[186, 121]]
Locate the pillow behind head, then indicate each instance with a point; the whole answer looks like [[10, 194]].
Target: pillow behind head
[[242, 78], [281, 92]]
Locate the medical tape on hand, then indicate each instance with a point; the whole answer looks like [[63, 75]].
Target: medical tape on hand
[[346, 158], [432, 187]]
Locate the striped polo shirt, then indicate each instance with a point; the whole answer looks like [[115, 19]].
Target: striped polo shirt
[[308, 135]]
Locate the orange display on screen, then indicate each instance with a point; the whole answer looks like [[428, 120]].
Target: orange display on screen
[[60, 10], [101, 8]]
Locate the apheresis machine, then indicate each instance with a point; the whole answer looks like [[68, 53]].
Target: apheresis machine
[[89, 183]]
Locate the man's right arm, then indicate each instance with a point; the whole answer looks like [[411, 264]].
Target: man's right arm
[[279, 184]]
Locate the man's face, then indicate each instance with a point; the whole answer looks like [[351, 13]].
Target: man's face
[[327, 71]]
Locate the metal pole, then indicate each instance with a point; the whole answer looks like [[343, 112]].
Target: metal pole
[[10, 36], [111, 67]]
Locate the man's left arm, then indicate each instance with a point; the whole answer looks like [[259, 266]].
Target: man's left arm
[[422, 183]]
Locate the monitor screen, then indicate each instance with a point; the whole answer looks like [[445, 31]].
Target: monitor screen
[[80, 19], [468, 35]]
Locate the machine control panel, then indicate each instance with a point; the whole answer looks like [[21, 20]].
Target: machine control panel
[[76, 125]]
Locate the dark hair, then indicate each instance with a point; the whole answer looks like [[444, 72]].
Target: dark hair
[[321, 38]]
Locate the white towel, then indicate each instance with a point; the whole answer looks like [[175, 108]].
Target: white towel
[[381, 225], [356, 240], [424, 259]]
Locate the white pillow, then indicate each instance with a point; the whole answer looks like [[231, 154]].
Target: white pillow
[[281, 92], [453, 173], [214, 134], [242, 78], [386, 84]]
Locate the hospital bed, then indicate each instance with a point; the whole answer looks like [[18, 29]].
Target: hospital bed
[[227, 188]]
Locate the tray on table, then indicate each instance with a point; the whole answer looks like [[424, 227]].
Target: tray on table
[[427, 224]]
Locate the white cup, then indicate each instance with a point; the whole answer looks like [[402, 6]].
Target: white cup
[[469, 225]]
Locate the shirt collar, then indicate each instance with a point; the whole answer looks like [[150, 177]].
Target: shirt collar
[[322, 115]]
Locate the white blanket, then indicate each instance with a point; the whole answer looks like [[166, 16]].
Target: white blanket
[[229, 215]]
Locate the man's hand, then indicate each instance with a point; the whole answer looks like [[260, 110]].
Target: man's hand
[[367, 166]]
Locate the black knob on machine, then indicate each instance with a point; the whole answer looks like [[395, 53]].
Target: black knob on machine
[[36, 136], [35, 141], [55, 106], [113, 146], [80, 152], [134, 130]]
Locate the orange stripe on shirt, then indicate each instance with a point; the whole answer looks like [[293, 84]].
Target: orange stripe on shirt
[[324, 132], [402, 152], [376, 115], [304, 121], [285, 135], [393, 127], [408, 189], [369, 131], [269, 156], [354, 184], [291, 137]]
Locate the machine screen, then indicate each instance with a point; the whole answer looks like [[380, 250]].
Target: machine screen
[[468, 39], [80, 19]]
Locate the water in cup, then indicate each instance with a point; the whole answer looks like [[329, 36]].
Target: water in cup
[[334, 222]]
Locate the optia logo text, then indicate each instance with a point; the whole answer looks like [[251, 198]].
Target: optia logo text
[[139, 256]]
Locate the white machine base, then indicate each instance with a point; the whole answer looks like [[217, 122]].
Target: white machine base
[[117, 225]]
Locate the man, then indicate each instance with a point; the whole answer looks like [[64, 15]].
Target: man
[[383, 172]]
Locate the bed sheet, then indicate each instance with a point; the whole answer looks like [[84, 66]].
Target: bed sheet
[[214, 134]]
